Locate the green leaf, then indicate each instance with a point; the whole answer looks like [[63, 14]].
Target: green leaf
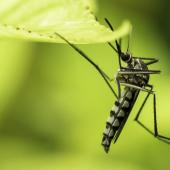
[[39, 20]]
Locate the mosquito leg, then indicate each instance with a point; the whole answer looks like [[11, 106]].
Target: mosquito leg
[[118, 46], [136, 87], [101, 72], [107, 77], [152, 60], [156, 132], [112, 46], [131, 85], [119, 59], [149, 131], [155, 117], [111, 27], [140, 109], [145, 58], [118, 85], [153, 134], [127, 71]]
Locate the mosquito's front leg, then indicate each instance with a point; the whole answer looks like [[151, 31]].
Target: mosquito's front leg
[[101, 72]]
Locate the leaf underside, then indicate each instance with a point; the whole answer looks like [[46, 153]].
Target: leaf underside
[[39, 21]]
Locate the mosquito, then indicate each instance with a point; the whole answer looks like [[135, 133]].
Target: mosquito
[[135, 79]]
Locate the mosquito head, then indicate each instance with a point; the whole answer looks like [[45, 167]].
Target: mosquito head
[[126, 57]]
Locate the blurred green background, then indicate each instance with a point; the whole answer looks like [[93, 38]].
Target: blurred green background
[[54, 105]]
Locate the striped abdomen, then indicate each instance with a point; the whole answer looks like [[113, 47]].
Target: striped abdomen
[[118, 116]]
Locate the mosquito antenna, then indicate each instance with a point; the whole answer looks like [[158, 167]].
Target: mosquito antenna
[[128, 46], [120, 43]]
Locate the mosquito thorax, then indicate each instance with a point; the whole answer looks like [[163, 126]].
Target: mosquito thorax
[[126, 57]]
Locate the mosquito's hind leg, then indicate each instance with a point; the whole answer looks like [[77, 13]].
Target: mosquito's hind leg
[[156, 132]]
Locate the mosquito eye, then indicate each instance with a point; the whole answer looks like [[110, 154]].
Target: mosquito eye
[[124, 57]]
